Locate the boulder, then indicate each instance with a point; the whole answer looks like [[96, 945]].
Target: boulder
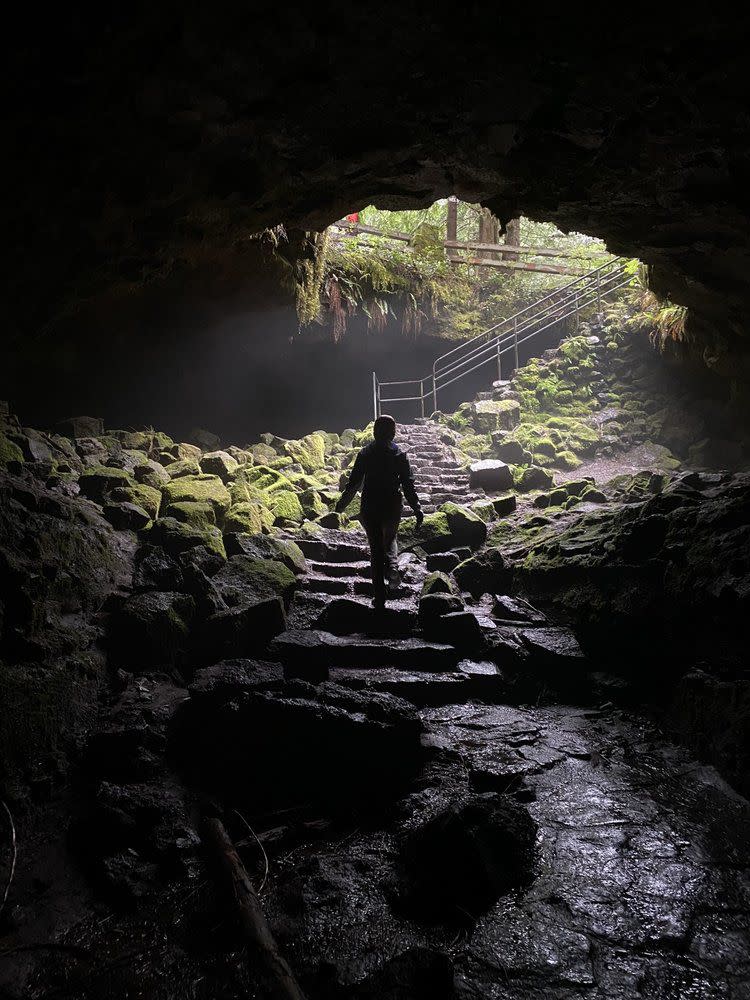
[[81, 427], [438, 583], [309, 451], [504, 505], [465, 527], [151, 473], [443, 562], [9, 451], [97, 482], [219, 463], [432, 606], [285, 505], [183, 467], [281, 550], [535, 478], [156, 569], [237, 631], [197, 513], [490, 475], [250, 517], [244, 580], [488, 572], [494, 415], [457, 628], [126, 516], [140, 494], [231, 678], [152, 630], [508, 451], [204, 439], [176, 537], [201, 488]]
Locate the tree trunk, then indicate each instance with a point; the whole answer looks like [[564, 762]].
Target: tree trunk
[[489, 232], [512, 237], [451, 227]]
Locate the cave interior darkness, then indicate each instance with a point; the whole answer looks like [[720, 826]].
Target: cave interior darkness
[[527, 777]]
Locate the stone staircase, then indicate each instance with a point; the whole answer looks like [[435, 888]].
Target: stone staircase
[[438, 472]]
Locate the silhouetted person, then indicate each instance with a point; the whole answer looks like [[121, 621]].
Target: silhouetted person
[[383, 471]]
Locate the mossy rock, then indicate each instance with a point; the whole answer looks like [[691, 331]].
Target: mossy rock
[[312, 505], [476, 445], [184, 450], [438, 583], [496, 414], [488, 572], [9, 452], [567, 460], [175, 537], [241, 491], [152, 474], [98, 482], [281, 550], [219, 463], [263, 453], [250, 517], [140, 494], [183, 467], [485, 509], [197, 513], [434, 535], [285, 504], [466, 527], [208, 489], [534, 478], [246, 580], [263, 477], [309, 451]]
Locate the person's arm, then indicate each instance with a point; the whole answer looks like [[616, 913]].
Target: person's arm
[[407, 485], [353, 483]]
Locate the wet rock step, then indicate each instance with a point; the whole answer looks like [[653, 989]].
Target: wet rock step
[[347, 616], [361, 568], [307, 651], [322, 550], [421, 689], [347, 585]]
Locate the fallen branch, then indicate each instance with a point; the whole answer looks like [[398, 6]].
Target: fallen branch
[[13, 855], [275, 969]]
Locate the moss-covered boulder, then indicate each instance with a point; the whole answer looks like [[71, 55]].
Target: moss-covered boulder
[[496, 414], [250, 517], [246, 580], [465, 527], [219, 463], [309, 451], [197, 513], [263, 477], [183, 467], [488, 572], [183, 450], [99, 480], [139, 494], [285, 504], [312, 504], [9, 452], [263, 453], [196, 489], [438, 583], [151, 473], [281, 550], [534, 478], [126, 516], [175, 537]]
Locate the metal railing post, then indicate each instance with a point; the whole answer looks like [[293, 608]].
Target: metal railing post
[[375, 396], [598, 296], [434, 390], [421, 395], [499, 365], [515, 340]]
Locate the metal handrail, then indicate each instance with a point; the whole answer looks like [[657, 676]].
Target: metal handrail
[[533, 319]]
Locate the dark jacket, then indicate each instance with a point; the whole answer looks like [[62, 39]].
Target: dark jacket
[[383, 470]]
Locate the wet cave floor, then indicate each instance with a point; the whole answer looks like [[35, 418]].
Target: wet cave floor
[[639, 884]]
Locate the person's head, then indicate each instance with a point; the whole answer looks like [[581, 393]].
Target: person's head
[[384, 429]]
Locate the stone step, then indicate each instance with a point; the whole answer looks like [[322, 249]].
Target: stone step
[[309, 650], [334, 552], [361, 568], [341, 585], [421, 689], [353, 616]]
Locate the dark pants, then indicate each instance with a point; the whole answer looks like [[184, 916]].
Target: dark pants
[[381, 534]]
